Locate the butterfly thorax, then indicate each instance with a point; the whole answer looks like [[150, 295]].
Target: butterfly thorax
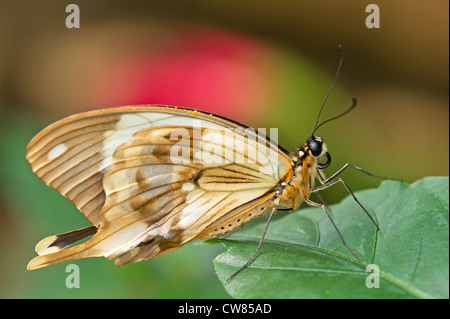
[[306, 169]]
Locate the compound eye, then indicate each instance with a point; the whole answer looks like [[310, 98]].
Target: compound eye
[[316, 147]]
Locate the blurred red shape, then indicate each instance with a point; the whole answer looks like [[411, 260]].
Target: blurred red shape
[[205, 69]]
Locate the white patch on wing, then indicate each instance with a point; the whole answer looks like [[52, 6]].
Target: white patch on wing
[[131, 123], [188, 187], [57, 151], [124, 129]]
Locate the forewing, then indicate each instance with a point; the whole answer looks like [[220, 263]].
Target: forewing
[[68, 156], [73, 154]]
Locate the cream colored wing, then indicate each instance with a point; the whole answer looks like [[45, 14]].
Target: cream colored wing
[[73, 154], [152, 179], [165, 205]]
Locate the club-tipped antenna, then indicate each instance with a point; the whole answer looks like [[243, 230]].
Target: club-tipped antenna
[[341, 58]]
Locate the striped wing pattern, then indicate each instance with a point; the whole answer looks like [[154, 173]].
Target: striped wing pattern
[[118, 168], [68, 158]]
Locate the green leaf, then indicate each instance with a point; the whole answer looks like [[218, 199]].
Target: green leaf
[[303, 257]]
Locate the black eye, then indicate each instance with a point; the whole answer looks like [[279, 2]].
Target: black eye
[[327, 163], [316, 147]]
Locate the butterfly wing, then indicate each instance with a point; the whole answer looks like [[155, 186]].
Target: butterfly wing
[[73, 154], [117, 166], [164, 206]]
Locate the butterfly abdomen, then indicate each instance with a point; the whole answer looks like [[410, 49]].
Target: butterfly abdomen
[[232, 221]]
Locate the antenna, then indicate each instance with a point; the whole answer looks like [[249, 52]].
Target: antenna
[[354, 102], [341, 58]]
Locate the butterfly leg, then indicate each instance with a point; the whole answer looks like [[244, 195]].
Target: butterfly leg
[[257, 249], [323, 206], [332, 177], [335, 179]]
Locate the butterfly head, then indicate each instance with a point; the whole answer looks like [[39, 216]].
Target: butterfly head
[[318, 149], [313, 148]]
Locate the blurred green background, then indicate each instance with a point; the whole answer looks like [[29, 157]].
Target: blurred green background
[[264, 63]]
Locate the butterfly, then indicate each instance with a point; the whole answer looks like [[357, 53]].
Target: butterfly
[[153, 178]]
